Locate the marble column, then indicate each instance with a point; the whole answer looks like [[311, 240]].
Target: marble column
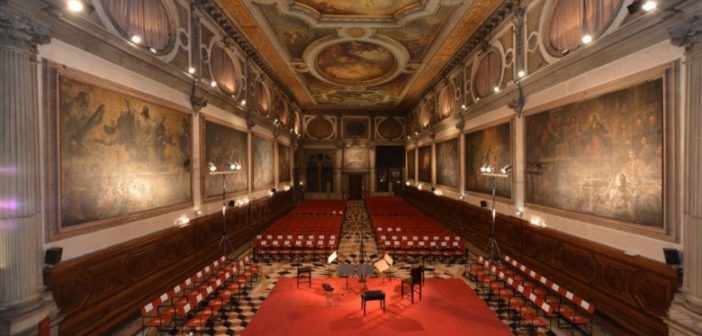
[[685, 315], [24, 302]]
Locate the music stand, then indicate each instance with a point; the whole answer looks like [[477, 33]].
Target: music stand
[[346, 270], [365, 270], [330, 259], [384, 265]]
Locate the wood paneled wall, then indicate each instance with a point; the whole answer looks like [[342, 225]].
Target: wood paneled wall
[[632, 292], [98, 291]]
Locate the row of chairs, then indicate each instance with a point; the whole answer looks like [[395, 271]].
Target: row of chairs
[[574, 311], [294, 249], [194, 303], [567, 308], [320, 207], [526, 307], [389, 205]]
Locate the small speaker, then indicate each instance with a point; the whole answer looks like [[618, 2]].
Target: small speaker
[[53, 256], [672, 256], [483, 204]]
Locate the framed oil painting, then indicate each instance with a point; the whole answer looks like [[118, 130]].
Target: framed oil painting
[[224, 144], [447, 163], [411, 164], [424, 156], [263, 163], [607, 155], [284, 163], [491, 145], [119, 155]]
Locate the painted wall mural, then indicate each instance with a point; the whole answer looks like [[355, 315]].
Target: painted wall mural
[[447, 163], [224, 145], [263, 163], [411, 167], [356, 127], [356, 158], [360, 7], [492, 145], [119, 154], [424, 154], [601, 156], [284, 161]]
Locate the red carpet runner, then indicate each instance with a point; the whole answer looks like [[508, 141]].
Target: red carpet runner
[[449, 307]]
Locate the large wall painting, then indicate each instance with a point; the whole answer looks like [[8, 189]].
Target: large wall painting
[[356, 158], [411, 166], [119, 154], [284, 163], [224, 145], [492, 145], [447, 163], [601, 156], [424, 154], [263, 164]]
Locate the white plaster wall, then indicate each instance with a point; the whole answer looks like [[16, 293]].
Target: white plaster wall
[[648, 58], [63, 53]]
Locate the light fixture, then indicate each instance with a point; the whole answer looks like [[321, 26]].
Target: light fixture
[[198, 212], [182, 221], [462, 197], [496, 89], [565, 52], [136, 39], [302, 183], [234, 166], [463, 106], [416, 133], [407, 183], [75, 6], [191, 70], [213, 84], [649, 6], [506, 169], [211, 167], [586, 39], [521, 73], [286, 188], [438, 192], [243, 102], [477, 99]]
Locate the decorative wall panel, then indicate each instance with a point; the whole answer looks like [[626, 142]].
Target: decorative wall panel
[[224, 145], [492, 145], [121, 154], [263, 163], [411, 166], [285, 163], [448, 163], [424, 155]]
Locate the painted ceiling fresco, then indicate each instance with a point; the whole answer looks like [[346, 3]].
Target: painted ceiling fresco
[[370, 54]]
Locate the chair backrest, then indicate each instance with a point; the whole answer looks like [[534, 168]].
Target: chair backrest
[[416, 274]]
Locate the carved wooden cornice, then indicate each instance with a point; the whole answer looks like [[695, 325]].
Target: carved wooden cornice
[[688, 35], [21, 31]]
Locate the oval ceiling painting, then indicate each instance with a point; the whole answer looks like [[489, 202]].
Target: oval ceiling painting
[[355, 62]]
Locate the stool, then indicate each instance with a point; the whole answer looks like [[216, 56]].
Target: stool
[[329, 294], [304, 274], [376, 295]]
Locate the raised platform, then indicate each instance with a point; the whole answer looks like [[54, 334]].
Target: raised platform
[[448, 307]]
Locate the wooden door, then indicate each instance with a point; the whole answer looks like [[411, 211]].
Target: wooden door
[[355, 186]]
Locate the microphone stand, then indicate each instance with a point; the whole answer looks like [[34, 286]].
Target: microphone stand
[[224, 241]]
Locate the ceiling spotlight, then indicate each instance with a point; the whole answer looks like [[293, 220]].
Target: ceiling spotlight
[[587, 38], [211, 167], [521, 73], [463, 106], [75, 6], [152, 50], [496, 89], [649, 6], [213, 84], [191, 70], [136, 39]]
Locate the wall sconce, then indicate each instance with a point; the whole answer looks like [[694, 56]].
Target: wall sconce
[[537, 221], [182, 221]]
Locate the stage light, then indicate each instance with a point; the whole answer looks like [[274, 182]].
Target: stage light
[[521, 73], [213, 84], [211, 167], [649, 6], [506, 169], [586, 39], [136, 39], [191, 70], [75, 6]]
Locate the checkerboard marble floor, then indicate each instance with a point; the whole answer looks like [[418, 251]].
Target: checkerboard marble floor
[[356, 224]]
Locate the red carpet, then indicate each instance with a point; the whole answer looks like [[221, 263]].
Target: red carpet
[[448, 307]]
